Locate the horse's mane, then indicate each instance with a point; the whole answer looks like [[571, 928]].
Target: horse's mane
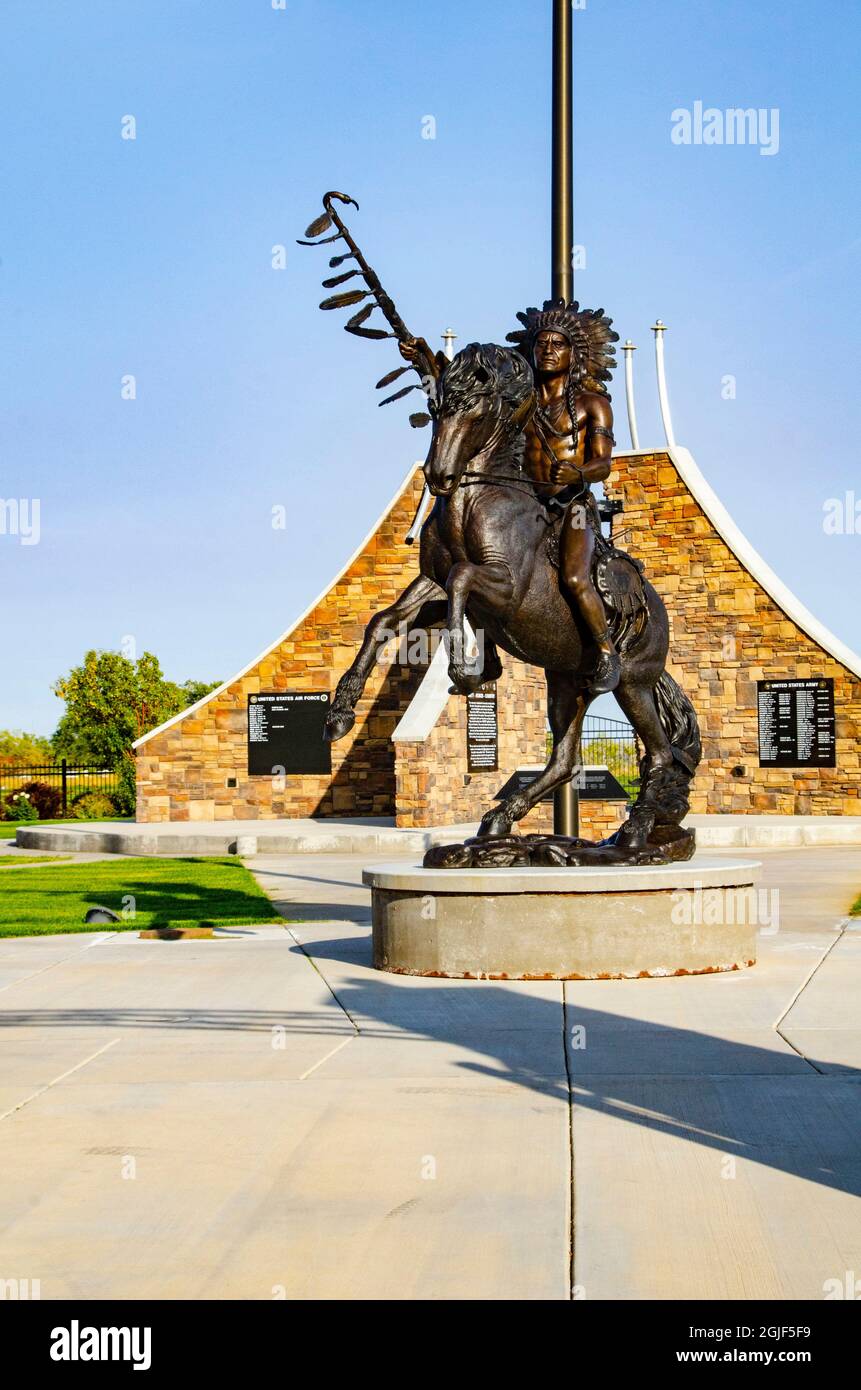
[[483, 369]]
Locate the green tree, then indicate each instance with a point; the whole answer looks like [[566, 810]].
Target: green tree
[[110, 702], [195, 690], [70, 742], [18, 747]]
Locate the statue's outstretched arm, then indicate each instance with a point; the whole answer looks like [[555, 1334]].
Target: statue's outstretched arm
[[419, 353]]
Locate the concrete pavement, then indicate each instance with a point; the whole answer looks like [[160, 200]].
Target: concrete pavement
[[265, 1116]]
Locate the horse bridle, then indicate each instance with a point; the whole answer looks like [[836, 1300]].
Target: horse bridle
[[513, 427]]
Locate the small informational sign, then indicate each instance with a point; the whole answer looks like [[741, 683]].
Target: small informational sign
[[285, 733], [796, 723], [598, 784], [594, 783], [482, 731]]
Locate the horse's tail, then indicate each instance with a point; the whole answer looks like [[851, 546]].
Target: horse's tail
[[679, 720]]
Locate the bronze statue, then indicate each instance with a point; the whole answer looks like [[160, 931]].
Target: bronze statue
[[518, 436], [568, 443]]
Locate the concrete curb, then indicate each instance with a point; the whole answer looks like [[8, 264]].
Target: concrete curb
[[274, 837], [278, 842]]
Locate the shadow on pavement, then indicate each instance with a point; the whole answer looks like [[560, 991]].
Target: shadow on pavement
[[764, 1105]]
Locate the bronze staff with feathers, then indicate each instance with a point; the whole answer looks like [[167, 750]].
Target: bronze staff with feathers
[[416, 350]]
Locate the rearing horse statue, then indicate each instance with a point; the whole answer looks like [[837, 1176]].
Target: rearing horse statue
[[487, 555], [490, 554]]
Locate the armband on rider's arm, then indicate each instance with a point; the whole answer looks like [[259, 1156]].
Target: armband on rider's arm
[[601, 429]]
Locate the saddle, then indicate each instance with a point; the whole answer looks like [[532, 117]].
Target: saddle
[[619, 580]]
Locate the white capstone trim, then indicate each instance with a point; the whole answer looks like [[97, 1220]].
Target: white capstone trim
[[432, 696], [428, 703]]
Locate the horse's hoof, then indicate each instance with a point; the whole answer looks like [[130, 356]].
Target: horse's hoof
[[463, 682], [338, 723], [630, 838], [494, 826]]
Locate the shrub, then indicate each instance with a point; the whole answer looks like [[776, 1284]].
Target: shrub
[[48, 800], [125, 795], [93, 806], [18, 806]]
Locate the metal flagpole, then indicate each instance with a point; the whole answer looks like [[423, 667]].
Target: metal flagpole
[[566, 800], [563, 152]]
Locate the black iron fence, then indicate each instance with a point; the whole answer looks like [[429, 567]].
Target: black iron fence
[[612, 743], [71, 780]]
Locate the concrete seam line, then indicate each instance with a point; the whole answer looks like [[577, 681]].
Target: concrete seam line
[[106, 936], [57, 1079], [842, 925], [314, 966], [570, 1120], [337, 1048], [32, 975]]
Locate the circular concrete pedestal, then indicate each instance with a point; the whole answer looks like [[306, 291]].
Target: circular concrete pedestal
[[565, 924]]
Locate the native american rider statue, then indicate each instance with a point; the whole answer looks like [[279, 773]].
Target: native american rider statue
[[513, 546], [568, 443]]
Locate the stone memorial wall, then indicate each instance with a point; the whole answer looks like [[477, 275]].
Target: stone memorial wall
[[731, 639]]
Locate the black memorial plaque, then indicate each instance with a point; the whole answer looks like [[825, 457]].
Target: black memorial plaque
[[796, 723], [285, 733], [598, 784], [482, 731], [595, 783]]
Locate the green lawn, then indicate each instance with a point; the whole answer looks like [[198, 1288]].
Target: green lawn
[[11, 859], [856, 910], [8, 828], [188, 892]]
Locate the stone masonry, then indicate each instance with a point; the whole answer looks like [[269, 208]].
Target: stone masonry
[[726, 634]]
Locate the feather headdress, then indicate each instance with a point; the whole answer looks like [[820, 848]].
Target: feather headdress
[[589, 331]]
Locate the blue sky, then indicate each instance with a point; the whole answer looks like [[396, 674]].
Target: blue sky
[[152, 257]]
